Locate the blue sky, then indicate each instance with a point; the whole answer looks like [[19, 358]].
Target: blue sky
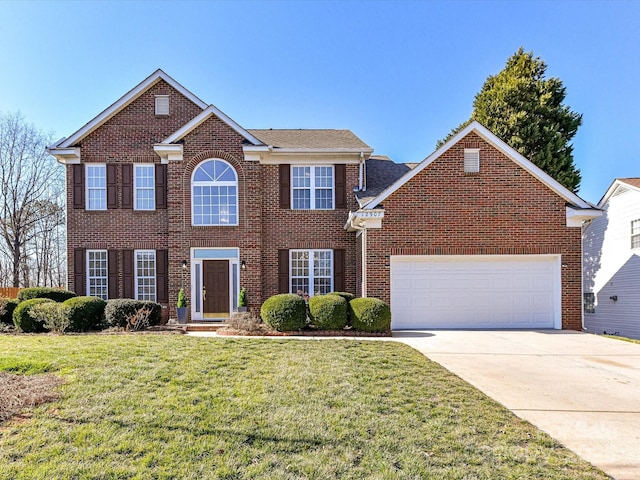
[[399, 74]]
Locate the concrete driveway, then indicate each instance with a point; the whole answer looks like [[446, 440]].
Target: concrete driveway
[[582, 389]]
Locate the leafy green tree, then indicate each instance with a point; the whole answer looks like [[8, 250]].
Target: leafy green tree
[[525, 109]]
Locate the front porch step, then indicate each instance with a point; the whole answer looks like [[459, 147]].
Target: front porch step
[[205, 327]]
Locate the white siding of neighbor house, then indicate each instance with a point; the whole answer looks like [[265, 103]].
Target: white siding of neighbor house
[[612, 268]]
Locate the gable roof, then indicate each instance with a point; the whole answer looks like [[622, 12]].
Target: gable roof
[[204, 115], [310, 138], [501, 146], [381, 172], [121, 103], [626, 183]]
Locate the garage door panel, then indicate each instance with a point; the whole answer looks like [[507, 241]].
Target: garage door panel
[[475, 292]]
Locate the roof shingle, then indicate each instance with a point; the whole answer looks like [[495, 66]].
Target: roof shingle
[[308, 138]]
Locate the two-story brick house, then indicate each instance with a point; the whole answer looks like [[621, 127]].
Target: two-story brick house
[[165, 191]]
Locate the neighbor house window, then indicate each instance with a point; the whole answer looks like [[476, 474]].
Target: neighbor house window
[[311, 271], [96, 187], [162, 104], [144, 192], [312, 188], [635, 234], [146, 275], [214, 194], [97, 279], [589, 303]]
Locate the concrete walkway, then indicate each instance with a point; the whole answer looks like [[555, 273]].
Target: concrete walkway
[[583, 390]]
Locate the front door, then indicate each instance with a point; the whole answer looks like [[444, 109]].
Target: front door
[[215, 288]]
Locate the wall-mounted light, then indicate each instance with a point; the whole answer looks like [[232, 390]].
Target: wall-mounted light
[[614, 298], [184, 264], [564, 265], [243, 265]]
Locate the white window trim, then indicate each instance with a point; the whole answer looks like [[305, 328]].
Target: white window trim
[[312, 187], [471, 160], [635, 235], [153, 187], [88, 277], [311, 277], [155, 269], [159, 105], [212, 183], [86, 186]]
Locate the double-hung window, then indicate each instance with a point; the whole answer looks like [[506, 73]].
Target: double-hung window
[[312, 187], [96, 187], [144, 191], [311, 271], [635, 233], [97, 275], [145, 275], [214, 194]]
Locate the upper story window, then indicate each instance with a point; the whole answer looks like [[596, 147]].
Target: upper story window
[[312, 187], [635, 233], [96, 187], [144, 192], [162, 104], [214, 194], [97, 280]]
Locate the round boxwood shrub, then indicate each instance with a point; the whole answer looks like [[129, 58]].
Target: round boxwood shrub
[[370, 315], [7, 306], [55, 294], [348, 297], [284, 312], [85, 313], [118, 312], [328, 312], [23, 321]]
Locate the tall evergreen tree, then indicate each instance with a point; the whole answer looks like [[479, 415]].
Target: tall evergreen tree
[[525, 109]]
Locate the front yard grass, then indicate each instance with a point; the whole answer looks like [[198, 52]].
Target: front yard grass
[[175, 407]]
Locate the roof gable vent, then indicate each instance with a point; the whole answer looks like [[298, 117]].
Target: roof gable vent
[[619, 191], [471, 160], [162, 104]]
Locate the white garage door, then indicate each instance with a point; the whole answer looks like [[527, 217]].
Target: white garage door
[[484, 291]]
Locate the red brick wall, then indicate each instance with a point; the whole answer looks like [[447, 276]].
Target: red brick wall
[[501, 210]]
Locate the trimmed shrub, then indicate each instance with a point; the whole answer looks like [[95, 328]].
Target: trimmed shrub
[[328, 312], [22, 318], [54, 294], [120, 311], [370, 315], [348, 297], [284, 312], [7, 306], [54, 316], [85, 313]]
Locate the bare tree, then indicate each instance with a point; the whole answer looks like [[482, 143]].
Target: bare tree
[[30, 181]]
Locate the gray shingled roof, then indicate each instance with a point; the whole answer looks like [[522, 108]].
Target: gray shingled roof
[[309, 138], [381, 173]]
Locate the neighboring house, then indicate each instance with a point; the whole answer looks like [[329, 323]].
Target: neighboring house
[[164, 190], [611, 252]]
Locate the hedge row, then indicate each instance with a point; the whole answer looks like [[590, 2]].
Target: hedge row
[[288, 312]]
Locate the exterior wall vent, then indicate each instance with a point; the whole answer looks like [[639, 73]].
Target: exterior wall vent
[[162, 104], [471, 160]]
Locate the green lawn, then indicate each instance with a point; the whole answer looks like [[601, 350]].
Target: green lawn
[[152, 406]]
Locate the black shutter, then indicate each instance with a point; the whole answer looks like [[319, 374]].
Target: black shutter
[[78, 186], [338, 270], [128, 279], [285, 186], [161, 186], [113, 273], [283, 271], [162, 276], [112, 187], [79, 271], [341, 185], [127, 185]]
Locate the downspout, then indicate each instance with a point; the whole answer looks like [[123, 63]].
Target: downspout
[[361, 177], [362, 228]]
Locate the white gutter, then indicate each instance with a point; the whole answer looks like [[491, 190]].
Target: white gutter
[[361, 186]]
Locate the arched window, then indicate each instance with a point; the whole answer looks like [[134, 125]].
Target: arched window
[[214, 194]]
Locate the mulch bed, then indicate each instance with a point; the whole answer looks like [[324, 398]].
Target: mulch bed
[[302, 333], [20, 392]]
